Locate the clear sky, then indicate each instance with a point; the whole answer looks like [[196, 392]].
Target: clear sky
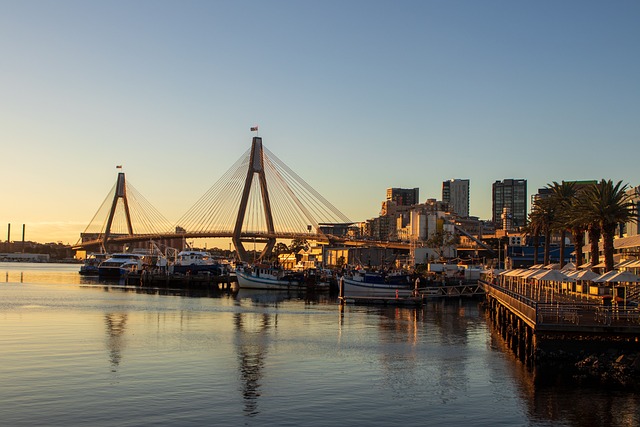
[[355, 96]]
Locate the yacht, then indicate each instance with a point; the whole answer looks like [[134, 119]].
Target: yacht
[[118, 265]]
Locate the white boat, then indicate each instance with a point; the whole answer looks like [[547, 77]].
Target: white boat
[[194, 262], [274, 278], [118, 265], [368, 284]]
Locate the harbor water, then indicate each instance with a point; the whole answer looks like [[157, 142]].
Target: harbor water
[[77, 351]]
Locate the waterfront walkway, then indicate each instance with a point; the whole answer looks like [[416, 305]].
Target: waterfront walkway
[[549, 307]]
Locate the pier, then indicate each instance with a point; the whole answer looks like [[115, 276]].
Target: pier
[[463, 289], [145, 278], [566, 323]]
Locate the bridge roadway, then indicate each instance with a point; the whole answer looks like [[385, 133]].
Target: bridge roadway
[[259, 238]]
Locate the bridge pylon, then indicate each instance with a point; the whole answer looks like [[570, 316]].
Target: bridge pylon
[[120, 193], [256, 166]]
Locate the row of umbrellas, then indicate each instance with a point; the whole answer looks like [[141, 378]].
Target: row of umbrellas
[[550, 275]]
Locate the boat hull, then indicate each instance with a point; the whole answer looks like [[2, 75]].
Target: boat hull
[[197, 268], [248, 281], [112, 272], [354, 288]]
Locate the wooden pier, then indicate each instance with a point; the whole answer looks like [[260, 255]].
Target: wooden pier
[[529, 325]]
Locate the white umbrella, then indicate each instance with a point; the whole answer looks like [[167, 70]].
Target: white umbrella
[[552, 276], [515, 272], [605, 276], [624, 264], [529, 273], [585, 275], [618, 277], [572, 273]]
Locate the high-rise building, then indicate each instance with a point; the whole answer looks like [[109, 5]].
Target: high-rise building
[[403, 196], [510, 199], [455, 192]]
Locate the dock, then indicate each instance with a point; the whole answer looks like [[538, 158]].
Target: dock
[[146, 278], [420, 296], [381, 300], [463, 289], [531, 327]]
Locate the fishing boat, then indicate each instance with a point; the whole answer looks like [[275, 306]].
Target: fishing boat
[[371, 284], [118, 265], [264, 276], [267, 277]]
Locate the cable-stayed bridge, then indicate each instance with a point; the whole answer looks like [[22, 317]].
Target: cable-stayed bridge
[[259, 199]]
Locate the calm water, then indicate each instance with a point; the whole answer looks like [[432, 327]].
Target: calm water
[[74, 351]]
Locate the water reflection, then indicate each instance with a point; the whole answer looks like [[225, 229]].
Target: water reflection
[[274, 297], [252, 341], [116, 325], [553, 395]]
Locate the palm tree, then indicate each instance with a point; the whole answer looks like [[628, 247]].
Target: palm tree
[[543, 213], [594, 231], [533, 229], [607, 205], [578, 226], [579, 222], [561, 199]]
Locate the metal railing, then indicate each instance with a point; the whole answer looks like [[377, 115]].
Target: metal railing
[[565, 313]]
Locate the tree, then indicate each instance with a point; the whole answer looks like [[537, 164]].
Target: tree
[[297, 244], [533, 229], [606, 205], [542, 215], [578, 221], [278, 249], [441, 239], [562, 199]]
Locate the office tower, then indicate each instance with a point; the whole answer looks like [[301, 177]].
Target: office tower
[[403, 196], [455, 192], [512, 195]]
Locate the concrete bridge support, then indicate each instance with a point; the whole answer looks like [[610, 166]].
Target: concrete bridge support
[[256, 166]]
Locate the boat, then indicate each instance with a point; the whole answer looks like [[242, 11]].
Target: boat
[[364, 283], [262, 276], [194, 262], [316, 279], [118, 265], [91, 263]]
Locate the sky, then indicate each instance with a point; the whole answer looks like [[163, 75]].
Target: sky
[[354, 96]]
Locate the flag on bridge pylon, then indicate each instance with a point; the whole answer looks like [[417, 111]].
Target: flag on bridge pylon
[[254, 129], [119, 167]]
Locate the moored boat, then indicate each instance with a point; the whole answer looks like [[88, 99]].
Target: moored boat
[[194, 262], [118, 265], [369, 284], [267, 277], [92, 263]]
